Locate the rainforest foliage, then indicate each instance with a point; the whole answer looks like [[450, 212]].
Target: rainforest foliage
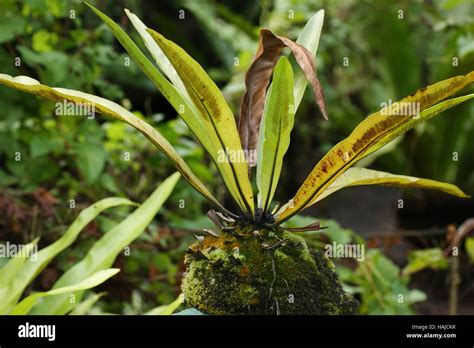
[[66, 161]]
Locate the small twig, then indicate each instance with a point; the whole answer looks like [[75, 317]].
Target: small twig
[[274, 245], [455, 281], [34, 221], [463, 230], [287, 285]]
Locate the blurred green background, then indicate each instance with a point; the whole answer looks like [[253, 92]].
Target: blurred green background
[[369, 52]]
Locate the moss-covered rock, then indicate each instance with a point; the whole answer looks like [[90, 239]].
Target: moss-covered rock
[[265, 272]]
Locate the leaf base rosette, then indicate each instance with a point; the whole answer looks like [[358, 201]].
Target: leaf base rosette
[[264, 273]]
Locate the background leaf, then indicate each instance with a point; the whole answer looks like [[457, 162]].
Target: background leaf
[[90, 158], [428, 258], [95, 279], [103, 253], [21, 276]]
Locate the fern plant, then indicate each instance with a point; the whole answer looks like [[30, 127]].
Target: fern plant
[[250, 264]]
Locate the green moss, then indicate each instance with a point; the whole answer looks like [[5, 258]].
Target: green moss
[[273, 272]]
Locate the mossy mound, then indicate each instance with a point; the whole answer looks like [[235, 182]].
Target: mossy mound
[[265, 272]]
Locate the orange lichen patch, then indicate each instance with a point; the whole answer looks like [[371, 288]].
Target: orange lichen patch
[[244, 272], [224, 242], [254, 302]]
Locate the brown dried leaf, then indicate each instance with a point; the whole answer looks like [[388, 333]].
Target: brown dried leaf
[[307, 63], [257, 80], [315, 226]]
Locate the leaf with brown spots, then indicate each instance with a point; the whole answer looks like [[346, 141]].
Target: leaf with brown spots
[[371, 134], [172, 91], [357, 176]]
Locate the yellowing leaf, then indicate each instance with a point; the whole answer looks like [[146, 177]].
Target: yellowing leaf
[[158, 55], [470, 248], [375, 131], [111, 109], [173, 93], [277, 123], [165, 87], [362, 176], [217, 116]]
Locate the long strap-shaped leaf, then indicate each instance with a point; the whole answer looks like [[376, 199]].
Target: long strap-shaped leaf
[[217, 115], [257, 80], [95, 279], [85, 306], [104, 252], [160, 58], [186, 110], [111, 109], [277, 123], [167, 309], [361, 176], [9, 271], [375, 131], [25, 275], [309, 38]]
